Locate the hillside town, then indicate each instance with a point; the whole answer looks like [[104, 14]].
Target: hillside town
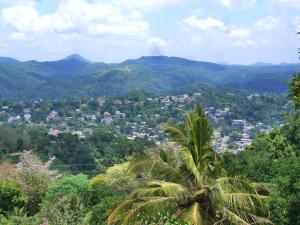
[[140, 118]]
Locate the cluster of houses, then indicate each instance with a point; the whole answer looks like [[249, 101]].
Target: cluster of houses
[[82, 120]]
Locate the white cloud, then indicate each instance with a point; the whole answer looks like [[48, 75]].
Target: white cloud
[[18, 36], [28, 19], [77, 16], [235, 3], [146, 4], [287, 3], [268, 23], [204, 24], [212, 31], [240, 33], [81, 26]]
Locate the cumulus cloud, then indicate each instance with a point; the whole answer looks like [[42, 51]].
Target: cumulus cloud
[[204, 24], [77, 23], [76, 16], [212, 30]]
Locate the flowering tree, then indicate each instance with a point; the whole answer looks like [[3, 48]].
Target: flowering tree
[[34, 177]]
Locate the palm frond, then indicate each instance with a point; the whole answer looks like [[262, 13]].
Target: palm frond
[[157, 169], [117, 213], [240, 217], [194, 215], [190, 165], [234, 184], [177, 133], [150, 206], [244, 201], [161, 188]]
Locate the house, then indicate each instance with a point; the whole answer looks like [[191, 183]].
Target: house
[[12, 119], [239, 124], [101, 101], [27, 110], [53, 115], [107, 119], [117, 102], [27, 116], [119, 115], [54, 132]]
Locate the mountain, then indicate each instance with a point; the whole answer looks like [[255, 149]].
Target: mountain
[[7, 59], [68, 65], [74, 76], [76, 57]]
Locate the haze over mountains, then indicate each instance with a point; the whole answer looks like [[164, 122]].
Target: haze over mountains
[[76, 76]]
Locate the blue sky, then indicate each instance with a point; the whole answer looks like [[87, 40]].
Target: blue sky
[[231, 31]]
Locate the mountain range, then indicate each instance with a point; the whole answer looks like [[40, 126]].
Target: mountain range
[[76, 76]]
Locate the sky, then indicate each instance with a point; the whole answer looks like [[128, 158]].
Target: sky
[[227, 31]]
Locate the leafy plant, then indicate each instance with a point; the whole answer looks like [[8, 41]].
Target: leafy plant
[[11, 196]]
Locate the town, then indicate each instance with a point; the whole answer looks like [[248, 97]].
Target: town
[[141, 117]]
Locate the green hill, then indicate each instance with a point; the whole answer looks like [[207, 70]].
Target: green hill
[[75, 76]]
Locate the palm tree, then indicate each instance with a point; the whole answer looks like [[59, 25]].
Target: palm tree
[[190, 183]]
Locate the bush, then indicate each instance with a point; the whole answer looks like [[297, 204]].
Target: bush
[[77, 185], [11, 196]]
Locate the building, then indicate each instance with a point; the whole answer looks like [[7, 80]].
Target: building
[[27, 116], [101, 101], [239, 124], [54, 132], [119, 115], [117, 102], [107, 119], [53, 114]]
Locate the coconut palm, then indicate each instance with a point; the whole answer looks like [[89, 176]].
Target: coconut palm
[[189, 183]]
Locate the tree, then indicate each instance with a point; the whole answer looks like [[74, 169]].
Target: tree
[[190, 183], [294, 87], [34, 177], [76, 185]]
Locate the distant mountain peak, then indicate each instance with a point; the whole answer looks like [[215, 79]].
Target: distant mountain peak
[[76, 57]]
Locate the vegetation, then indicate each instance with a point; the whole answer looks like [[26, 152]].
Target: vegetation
[[106, 178], [275, 158], [76, 77], [190, 183], [295, 90]]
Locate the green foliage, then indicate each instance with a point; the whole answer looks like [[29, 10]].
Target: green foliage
[[294, 87], [75, 185], [19, 216], [100, 212], [11, 196], [273, 158], [64, 210], [275, 144], [190, 183], [21, 80], [117, 178], [161, 219]]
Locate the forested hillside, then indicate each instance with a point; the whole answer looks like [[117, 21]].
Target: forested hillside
[[75, 76]]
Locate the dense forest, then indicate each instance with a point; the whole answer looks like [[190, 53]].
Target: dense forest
[[77, 77]]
